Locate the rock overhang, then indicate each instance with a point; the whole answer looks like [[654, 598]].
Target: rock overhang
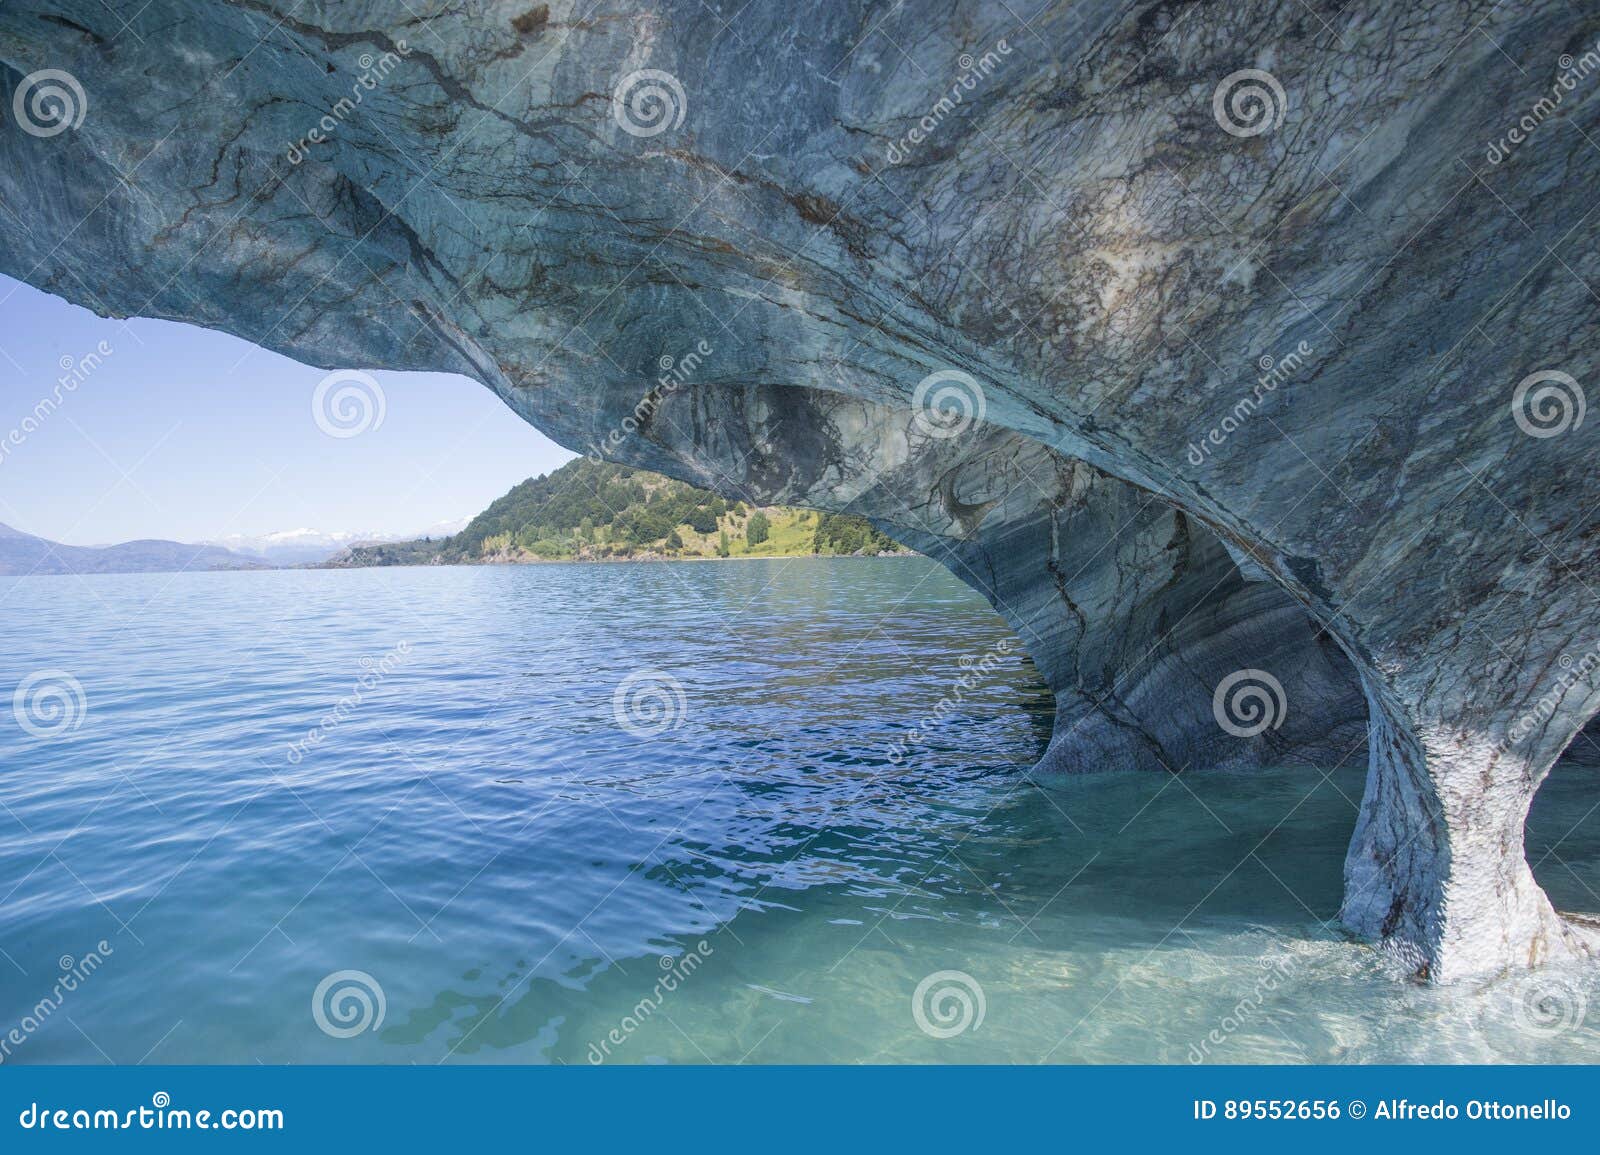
[[1112, 244]]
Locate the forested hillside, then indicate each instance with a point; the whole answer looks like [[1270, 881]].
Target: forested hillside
[[596, 511]]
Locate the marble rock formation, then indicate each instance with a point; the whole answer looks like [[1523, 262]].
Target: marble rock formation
[[1208, 340]]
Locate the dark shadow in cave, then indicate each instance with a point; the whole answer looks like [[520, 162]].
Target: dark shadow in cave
[[1562, 832]]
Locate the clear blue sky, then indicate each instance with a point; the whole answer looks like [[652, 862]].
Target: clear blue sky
[[193, 435]]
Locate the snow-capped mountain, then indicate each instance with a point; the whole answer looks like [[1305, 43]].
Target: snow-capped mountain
[[303, 545]]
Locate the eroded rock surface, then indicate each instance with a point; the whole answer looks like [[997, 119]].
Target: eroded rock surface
[[1277, 316]]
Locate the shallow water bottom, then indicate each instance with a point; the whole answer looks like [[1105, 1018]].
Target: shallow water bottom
[[476, 862]]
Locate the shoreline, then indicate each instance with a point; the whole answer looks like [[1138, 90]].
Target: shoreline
[[311, 566], [504, 562]]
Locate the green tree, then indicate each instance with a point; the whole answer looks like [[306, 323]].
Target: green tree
[[840, 533], [722, 544], [756, 532]]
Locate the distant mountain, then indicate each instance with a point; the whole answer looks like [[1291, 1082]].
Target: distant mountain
[[291, 547], [22, 553], [596, 511]]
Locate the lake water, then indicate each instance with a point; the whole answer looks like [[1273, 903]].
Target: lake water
[[273, 796]]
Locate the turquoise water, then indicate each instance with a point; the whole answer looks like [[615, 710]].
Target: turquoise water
[[477, 832]]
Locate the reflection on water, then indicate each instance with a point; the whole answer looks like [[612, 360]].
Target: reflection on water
[[526, 880]]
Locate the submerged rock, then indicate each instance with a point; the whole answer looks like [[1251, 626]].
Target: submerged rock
[[1235, 352]]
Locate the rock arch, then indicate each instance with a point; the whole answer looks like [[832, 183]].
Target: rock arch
[[1100, 232]]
